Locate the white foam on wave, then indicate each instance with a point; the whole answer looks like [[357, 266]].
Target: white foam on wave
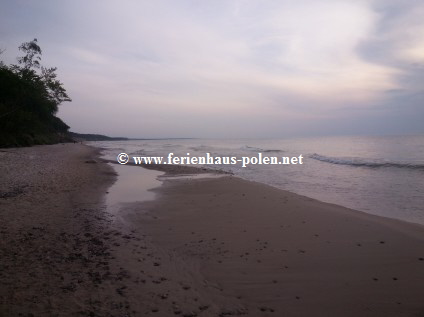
[[364, 162]]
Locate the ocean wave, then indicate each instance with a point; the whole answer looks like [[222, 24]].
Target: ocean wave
[[259, 150], [170, 145], [354, 161], [201, 148], [139, 152]]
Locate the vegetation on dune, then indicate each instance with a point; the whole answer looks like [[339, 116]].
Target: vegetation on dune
[[29, 98]]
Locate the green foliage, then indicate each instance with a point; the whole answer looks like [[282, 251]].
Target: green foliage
[[29, 98], [32, 56]]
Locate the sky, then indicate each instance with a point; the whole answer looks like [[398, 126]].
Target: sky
[[229, 68]]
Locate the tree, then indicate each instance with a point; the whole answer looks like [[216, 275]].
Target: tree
[[32, 56], [54, 87], [29, 98], [28, 65]]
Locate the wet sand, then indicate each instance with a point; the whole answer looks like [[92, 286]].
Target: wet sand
[[258, 251], [204, 247]]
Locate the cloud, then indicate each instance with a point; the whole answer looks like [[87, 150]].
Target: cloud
[[273, 62]]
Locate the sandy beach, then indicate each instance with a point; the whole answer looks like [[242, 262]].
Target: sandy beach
[[204, 247]]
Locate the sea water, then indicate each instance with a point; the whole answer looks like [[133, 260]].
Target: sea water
[[379, 175]]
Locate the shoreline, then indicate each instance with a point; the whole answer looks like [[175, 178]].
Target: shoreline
[[387, 190], [161, 218], [204, 247], [193, 170]]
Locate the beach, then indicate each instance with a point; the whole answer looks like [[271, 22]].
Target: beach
[[204, 247]]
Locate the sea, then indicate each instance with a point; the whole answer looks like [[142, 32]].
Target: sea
[[380, 175]]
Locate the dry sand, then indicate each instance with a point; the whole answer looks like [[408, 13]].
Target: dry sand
[[206, 247]]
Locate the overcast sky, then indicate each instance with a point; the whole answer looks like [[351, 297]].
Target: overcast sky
[[229, 68]]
